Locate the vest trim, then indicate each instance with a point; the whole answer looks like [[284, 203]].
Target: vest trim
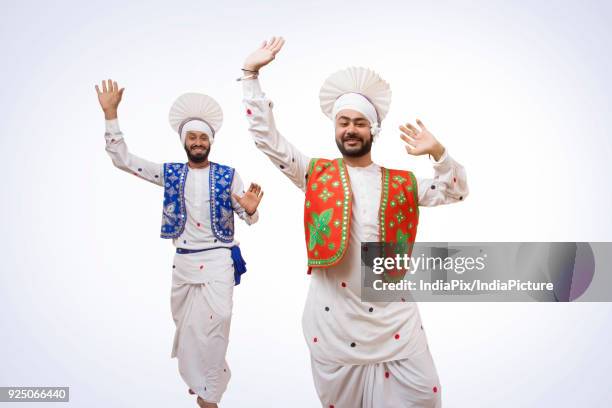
[[221, 210]]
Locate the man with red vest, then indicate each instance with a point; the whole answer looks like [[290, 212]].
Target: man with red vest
[[363, 354]]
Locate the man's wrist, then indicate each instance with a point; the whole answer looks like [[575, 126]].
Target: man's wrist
[[250, 68], [437, 152], [110, 114]]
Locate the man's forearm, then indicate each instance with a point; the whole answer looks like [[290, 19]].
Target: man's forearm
[[283, 154], [118, 151], [449, 184]]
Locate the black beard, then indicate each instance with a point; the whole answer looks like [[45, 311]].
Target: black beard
[[197, 158], [366, 147]]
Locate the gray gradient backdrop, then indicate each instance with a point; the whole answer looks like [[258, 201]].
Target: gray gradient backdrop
[[517, 92]]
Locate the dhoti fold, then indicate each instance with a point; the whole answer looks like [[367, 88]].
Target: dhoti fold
[[201, 300], [407, 383]]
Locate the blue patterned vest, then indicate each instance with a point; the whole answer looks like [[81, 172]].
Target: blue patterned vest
[[221, 210]]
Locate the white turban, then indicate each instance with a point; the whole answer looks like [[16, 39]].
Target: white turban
[[198, 125], [361, 104]]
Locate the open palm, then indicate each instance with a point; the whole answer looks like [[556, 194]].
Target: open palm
[[264, 54], [110, 95], [251, 199], [418, 141]]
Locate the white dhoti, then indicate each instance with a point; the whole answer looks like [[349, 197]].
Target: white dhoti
[[407, 383], [202, 288]]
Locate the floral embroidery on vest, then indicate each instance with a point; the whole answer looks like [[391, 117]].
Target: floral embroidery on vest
[[174, 213], [328, 204]]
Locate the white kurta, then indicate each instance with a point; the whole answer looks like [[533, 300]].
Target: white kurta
[[202, 283], [339, 328]]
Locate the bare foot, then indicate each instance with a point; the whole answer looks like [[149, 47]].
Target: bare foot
[[204, 404]]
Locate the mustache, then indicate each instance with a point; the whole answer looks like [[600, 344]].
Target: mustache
[[351, 137], [197, 147]]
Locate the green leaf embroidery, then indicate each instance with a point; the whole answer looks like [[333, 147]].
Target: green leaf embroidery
[[402, 242], [319, 228]]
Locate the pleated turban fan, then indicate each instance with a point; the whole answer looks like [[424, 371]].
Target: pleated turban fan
[[359, 89], [195, 112]]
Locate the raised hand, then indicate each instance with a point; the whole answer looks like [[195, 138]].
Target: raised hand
[[420, 141], [263, 55], [109, 98], [251, 199]]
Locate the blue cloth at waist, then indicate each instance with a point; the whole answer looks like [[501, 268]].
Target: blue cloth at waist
[[239, 263]]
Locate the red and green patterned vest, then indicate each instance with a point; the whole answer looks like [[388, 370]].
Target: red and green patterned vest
[[327, 210]]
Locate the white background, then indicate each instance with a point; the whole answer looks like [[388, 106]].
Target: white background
[[517, 93]]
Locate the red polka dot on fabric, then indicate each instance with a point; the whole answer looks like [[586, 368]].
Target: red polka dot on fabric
[[201, 266], [344, 284], [331, 406], [397, 336], [454, 179], [249, 112], [315, 340], [387, 374], [435, 389], [199, 224]]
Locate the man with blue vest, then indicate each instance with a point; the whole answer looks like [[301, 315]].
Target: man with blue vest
[[200, 199]]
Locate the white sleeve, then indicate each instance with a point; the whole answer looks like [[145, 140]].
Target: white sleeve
[[284, 156], [449, 184], [238, 189], [118, 151]]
